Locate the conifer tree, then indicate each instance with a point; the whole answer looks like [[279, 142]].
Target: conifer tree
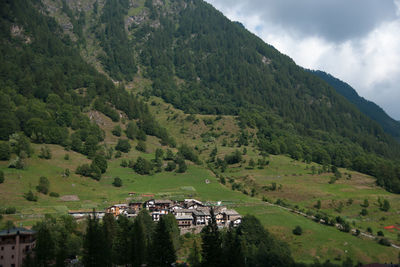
[[94, 244], [211, 253], [163, 251], [138, 244]]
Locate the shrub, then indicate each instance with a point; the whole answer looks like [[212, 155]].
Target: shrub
[[30, 196], [364, 212], [386, 205], [188, 153], [385, 242], [101, 162], [67, 172], [5, 151], [142, 166], [124, 164], [233, 158], [117, 182], [43, 186], [54, 194], [182, 167], [83, 170], [66, 157], [123, 145], [45, 153], [1, 177], [141, 146], [118, 154], [380, 233], [297, 230], [10, 210], [170, 166], [117, 131]]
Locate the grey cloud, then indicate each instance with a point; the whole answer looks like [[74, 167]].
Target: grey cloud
[[334, 20]]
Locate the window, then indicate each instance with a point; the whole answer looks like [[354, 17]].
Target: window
[[1, 257], [12, 256], [12, 247], [2, 248]]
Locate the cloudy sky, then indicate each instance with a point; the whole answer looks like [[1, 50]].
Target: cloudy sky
[[357, 41]]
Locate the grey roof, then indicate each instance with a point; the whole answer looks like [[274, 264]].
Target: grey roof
[[163, 201], [231, 212], [17, 230], [184, 217], [198, 213]]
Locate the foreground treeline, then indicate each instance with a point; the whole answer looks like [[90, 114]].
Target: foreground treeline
[[141, 242]]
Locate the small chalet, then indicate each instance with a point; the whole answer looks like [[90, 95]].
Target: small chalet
[[118, 209], [193, 204], [158, 204], [136, 206], [184, 221], [199, 217]]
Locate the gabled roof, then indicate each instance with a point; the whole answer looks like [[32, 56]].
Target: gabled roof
[[17, 231]]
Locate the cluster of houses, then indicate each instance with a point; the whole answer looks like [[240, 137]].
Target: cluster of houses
[[191, 214]]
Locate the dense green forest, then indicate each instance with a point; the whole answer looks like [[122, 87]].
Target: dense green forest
[[122, 241], [202, 63], [46, 88], [369, 108]]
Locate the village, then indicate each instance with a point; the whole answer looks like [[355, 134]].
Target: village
[[191, 214]]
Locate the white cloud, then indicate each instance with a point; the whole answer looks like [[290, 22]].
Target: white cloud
[[370, 62]]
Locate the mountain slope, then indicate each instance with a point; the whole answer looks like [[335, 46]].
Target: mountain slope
[[369, 108], [195, 59]]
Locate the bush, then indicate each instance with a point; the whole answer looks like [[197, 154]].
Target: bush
[[10, 210], [17, 163], [233, 158], [118, 154], [170, 166], [124, 164], [380, 233], [117, 182], [83, 170], [385, 242], [45, 153], [142, 166], [123, 145], [5, 151], [188, 153], [364, 212], [297, 231], [141, 146], [101, 162], [182, 167], [43, 186], [30, 196], [66, 157], [54, 194], [1, 177], [386, 205], [117, 131]]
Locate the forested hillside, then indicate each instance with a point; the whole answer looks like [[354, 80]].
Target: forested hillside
[[46, 87], [369, 108], [195, 59]]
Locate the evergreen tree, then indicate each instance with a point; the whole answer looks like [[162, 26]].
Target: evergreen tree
[[232, 250], [194, 258], [211, 246], [162, 248], [109, 230], [45, 245], [94, 244], [121, 244], [139, 247]]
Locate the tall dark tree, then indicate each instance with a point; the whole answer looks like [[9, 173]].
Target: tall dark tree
[[94, 244], [139, 247], [162, 248], [45, 245], [211, 246]]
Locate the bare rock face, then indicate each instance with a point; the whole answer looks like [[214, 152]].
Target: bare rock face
[[18, 32]]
